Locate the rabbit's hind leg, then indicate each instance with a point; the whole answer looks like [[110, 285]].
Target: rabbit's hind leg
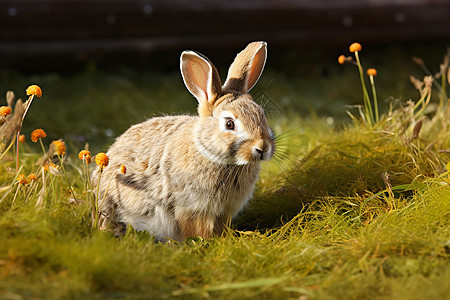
[[196, 225]]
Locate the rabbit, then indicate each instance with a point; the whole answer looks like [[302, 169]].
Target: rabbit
[[188, 176]]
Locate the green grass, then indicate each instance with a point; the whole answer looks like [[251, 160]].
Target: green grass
[[323, 223]]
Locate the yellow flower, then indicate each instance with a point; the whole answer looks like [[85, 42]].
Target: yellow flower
[[60, 147], [5, 110], [448, 166], [85, 155], [46, 167], [22, 179], [372, 72], [123, 169], [37, 134], [32, 177], [34, 90], [22, 138], [102, 160], [341, 59], [355, 47]]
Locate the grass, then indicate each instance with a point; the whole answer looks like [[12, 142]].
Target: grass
[[349, 210]]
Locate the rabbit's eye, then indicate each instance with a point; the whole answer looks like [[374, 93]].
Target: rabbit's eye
[[229, 124]]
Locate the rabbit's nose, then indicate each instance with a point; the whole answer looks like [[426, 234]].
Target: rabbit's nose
[[260, 152]]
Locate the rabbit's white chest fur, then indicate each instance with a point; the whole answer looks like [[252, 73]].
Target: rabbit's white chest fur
[[169, 183]]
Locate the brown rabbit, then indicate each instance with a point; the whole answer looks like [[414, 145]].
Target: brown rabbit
[[189, 175]]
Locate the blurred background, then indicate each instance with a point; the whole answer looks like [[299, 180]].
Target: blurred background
[[104, 65], [65, 33]]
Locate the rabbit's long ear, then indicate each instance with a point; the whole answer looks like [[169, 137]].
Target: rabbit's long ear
[[246, 68], [200, 77]]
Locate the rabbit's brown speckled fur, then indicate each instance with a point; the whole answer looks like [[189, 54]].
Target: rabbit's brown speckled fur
[[189, 175]]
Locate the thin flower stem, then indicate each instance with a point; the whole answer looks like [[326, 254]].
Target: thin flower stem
[[17, 148], [44, 184], [375, 100], [420, 101], [67, 178], [95, 204], [85, 178], [42, 145], [424, 104], [98, 189], [365, 94], [29, 101], [53, 200], [88, 176], [107, 188], [88, 181]]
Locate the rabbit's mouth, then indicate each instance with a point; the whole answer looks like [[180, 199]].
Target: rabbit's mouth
[[262, 155]]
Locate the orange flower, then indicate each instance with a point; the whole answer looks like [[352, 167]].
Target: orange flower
[[37, 134], [48, 165], [32, 177], [34, 90], [341, 59], [60, 147], [5, 110], [355, 47], [22, 138], [102, 160], [123, 169], [372, 72], [85, 155], [22, 179]]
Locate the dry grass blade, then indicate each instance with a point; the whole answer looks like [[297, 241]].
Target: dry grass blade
[[249, 284]]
